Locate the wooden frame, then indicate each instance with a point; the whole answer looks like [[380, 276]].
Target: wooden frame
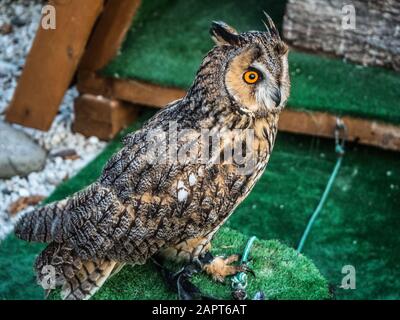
[[104, 116], [52, 63], [109, 33], [104, 44]]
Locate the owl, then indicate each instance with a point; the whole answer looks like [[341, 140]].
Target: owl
[[178, 179]]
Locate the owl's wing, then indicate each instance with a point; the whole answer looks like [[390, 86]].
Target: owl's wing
[[142, 203]]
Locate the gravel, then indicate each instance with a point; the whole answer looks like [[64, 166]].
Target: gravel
[[24, 17]]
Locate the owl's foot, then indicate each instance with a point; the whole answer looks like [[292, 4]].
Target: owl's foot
[[219, 267], [179, 282]]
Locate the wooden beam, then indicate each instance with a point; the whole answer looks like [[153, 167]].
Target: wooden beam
[[102, 117], [52, 62], [364, 131], [139, 92], [109, 33], [321, 124]]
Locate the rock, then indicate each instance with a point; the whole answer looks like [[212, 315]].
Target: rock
[[19, 9], [19, 154], [18, 22], [8, 94], [6, 28], [7, 68], [52, 178]]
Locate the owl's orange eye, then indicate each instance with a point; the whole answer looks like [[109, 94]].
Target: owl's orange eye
[[251, 77]]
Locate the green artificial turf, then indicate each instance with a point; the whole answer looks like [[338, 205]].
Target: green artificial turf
[[168, 39], [281, 272], [358, 225]]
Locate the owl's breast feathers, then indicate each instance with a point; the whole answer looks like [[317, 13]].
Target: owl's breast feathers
[[166, 202]]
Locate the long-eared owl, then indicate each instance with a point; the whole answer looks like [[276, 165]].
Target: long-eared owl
[[176, 180]]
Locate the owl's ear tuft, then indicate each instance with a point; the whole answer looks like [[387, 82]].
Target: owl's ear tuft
[[271, 28], [222, 33], [281, 48]]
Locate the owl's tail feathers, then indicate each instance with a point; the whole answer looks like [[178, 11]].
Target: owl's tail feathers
[[58, 266], [43, 223]]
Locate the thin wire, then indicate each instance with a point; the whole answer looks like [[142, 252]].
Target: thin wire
[[320, 204], [339, 149], [247, 249]]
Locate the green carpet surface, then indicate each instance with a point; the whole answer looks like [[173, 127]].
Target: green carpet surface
[[358, 225], [168, 39], [281, 272]]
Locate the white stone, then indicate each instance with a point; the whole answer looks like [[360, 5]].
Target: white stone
[[23, 193], [19, 10], [93, 140]]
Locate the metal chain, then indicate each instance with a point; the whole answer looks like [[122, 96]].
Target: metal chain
[[240, 280]]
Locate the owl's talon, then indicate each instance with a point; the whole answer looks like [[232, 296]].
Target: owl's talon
[[245, 268]]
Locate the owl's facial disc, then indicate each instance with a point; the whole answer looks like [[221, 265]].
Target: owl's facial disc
[[256, 74], [267, 91], [257, 81]]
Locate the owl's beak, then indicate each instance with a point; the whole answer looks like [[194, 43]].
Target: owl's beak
[[276, 97]]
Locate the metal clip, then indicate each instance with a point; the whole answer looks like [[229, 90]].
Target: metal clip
[[340, 136]]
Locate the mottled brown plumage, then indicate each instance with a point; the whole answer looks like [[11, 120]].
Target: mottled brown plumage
[[141, 206]]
